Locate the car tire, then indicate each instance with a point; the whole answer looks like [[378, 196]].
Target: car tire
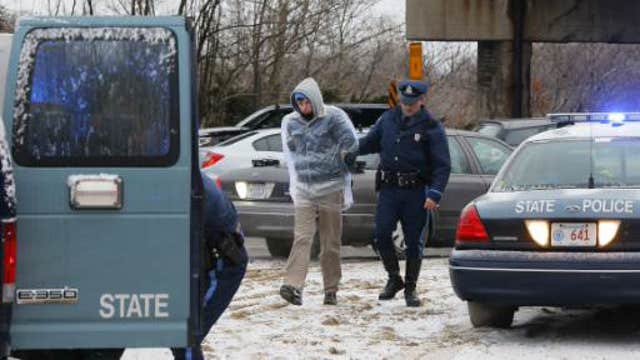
[[280, 248], [490, 315]]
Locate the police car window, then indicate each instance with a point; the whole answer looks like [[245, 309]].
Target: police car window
[[612, 163], [269, 143], [459, 163], [97, 97], [491, 154], [515, 137]]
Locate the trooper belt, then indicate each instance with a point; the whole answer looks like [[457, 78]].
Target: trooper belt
[[404, 180]]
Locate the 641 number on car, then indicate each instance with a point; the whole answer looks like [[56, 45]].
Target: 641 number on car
[[573, 234]]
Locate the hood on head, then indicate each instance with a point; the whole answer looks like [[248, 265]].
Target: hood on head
[[311, 90]]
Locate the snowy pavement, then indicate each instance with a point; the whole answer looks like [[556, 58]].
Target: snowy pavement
[[260, 325]]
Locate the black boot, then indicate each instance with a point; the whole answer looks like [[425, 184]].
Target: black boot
[[411, 278], [394, 284]]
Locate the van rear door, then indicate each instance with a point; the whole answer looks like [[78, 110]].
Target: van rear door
[[101, 114]]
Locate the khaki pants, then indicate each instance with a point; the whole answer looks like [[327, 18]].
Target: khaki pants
[[328, 211]]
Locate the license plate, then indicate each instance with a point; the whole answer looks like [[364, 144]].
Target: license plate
[[259, 191], [573, 234]]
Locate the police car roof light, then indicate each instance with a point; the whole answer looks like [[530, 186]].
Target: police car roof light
[[614, 118]]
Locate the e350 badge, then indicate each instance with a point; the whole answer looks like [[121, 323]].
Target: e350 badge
[[46, 296]]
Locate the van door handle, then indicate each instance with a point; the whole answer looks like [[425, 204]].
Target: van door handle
[[95, 191]]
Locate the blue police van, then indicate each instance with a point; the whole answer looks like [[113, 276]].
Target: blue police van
[[559, 225], [102, 117]]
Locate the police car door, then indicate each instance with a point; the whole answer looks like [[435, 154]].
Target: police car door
[[101, 115]]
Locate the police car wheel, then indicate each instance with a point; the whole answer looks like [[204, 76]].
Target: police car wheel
[[397, 236], [490, 315]]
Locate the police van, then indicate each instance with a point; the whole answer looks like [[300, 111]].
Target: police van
[[559, 225], [102, 116]]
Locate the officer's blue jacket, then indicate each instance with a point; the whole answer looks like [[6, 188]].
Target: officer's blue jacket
[[221, 216], [417, 143]]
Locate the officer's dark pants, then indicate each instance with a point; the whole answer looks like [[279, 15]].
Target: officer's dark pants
[[406, 206], [5, 321], [224, 282]]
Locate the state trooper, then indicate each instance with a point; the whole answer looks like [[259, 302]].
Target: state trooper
[[414, 170], [226, 262]]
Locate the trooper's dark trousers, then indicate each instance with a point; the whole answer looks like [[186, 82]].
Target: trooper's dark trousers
[[224, 282], [406, 206]]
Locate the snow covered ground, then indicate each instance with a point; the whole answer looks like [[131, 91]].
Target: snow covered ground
[[260, 325]]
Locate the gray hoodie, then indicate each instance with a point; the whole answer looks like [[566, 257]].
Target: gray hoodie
[[316, 147]]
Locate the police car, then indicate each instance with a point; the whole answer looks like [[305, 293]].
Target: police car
[[560, 225]]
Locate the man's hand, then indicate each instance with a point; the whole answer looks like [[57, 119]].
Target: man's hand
[[430, 204]]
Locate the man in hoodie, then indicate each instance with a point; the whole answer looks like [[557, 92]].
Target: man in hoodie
[[316, 139]]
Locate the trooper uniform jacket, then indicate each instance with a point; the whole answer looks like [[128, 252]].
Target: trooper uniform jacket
[[411, 144]]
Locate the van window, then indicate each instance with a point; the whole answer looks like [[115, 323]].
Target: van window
[[97, 97]]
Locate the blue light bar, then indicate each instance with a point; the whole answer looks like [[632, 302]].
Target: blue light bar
[[616, 118]]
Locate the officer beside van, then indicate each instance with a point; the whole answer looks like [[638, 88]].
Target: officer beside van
[[228, 261], [414, 170]]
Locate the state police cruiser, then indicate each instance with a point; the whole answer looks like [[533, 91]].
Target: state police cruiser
[[414, 170], [555, 230]]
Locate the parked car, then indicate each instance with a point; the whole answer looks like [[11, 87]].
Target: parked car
[[242, 151], [362, 116], [261, 194], [514, 131]]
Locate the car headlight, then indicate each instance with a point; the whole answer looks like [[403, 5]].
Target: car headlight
[[607, 230], [241, 189], [539, 231]]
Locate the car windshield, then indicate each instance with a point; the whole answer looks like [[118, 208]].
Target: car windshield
[[566, 164]]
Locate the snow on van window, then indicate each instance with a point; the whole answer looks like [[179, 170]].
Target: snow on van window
[[95, 92], [8, 205]]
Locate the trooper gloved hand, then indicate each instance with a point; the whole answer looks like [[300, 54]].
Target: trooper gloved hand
[[350, 160]]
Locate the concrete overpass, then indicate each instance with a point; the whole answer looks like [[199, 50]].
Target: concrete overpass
[[505, 30]]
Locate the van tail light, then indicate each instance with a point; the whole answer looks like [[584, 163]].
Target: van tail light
[[211, 159], [9, 243], [470, 228]]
